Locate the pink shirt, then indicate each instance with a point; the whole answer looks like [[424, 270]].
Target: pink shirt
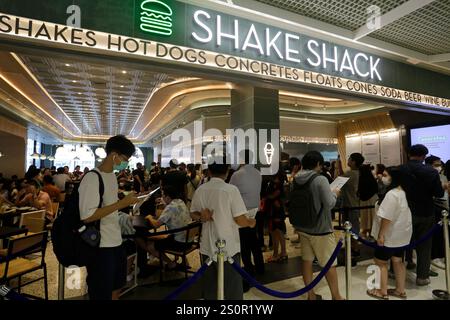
[[46, 201]]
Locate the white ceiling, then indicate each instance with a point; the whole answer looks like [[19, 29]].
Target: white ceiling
[[101, 99]]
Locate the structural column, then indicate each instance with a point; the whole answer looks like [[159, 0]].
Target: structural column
[[258, 108]]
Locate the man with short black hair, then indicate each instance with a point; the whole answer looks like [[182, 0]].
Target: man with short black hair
[[50, 188], [60, 179], [422, 185], [221, 209], [175, 178], [350, 194], [139, 178], [107, 272], [317, 241]]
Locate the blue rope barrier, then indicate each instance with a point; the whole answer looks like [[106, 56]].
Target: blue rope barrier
[[11, 294], [408, 246], [287, 295], [187, 283]]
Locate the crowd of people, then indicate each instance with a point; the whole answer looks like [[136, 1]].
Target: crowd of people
[[241, 207]]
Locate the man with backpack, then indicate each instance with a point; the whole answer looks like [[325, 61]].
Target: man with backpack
[[310, 204], [107, 270]]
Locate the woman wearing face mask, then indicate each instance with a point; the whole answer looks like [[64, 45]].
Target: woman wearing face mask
[[392, 227]]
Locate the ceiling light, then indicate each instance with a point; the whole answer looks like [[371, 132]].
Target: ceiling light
[[74, 81], [43, 156], [8, 99], [124, 71], [1, 154], [308, 96], [67, 65], [122, 86], [35, 155], [353, 121], [100, 152], [51, 158]]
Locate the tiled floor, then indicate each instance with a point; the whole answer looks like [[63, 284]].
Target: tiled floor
[[288, 272], [359, 286]]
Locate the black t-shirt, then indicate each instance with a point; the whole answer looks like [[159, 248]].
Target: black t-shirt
[[155, 177], [176, 179], [421, 183], [140, 174]]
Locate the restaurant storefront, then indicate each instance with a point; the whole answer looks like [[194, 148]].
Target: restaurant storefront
[[214, 44]]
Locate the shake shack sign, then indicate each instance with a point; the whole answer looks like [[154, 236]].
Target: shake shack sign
[[176, 32], [244, 38], [215, 31]]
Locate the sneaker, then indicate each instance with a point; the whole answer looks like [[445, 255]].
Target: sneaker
[[438, 263], [422, 282], [411, 265]]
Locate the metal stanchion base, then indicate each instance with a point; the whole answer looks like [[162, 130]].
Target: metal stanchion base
[[441, 295]]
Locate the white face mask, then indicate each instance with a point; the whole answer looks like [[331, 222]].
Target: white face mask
[[386, 181], [438, 169]]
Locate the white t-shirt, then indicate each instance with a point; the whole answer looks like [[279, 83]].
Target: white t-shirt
[[394, 208], [226, 203], [110, 232], [248, 180], [60, 181]]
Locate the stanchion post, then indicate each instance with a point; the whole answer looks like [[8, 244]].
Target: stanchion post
[[446, 248], [441, 294], [220, 244], [61, 281], [348, 259]]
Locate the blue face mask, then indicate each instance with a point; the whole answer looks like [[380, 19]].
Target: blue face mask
[[122, 166]]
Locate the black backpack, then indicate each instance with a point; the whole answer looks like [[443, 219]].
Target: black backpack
[[367, 184], [69, 232], [301, 205]]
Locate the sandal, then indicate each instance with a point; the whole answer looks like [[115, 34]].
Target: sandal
[[375, 293], [395, 293]]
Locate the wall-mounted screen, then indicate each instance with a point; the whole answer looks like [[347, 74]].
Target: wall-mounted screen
[[436, 139]]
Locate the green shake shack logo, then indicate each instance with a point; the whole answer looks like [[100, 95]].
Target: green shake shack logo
[[156, 17]]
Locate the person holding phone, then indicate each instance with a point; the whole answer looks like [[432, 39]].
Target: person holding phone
[[108, 271]]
